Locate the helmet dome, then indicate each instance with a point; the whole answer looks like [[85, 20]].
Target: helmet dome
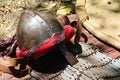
[[36, 27]]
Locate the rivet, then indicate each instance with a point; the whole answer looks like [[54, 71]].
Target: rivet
[[83, 64], [106, 61], [74, 71], [85, 67], [48, 29], [103, 57], [51, 27], [94, 74], [72, 74], [101, 60], [41, 22]]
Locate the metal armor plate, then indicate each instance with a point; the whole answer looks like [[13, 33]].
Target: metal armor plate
[[34, 28]]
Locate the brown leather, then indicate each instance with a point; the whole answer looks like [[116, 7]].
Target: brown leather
[[14, 66], [78, 32]]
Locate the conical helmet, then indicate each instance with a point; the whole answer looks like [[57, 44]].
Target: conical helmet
[[36, 27]]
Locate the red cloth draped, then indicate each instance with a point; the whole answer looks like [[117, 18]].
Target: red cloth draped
[[49, 44]]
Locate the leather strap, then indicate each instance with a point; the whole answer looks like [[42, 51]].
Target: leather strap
[[14, 66]]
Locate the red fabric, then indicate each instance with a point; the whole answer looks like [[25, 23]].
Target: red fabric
[[46, 46], [21, 54]]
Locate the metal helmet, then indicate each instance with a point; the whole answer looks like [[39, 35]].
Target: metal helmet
[[36, 27]]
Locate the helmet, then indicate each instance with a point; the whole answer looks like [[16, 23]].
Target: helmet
[[36, 27]]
